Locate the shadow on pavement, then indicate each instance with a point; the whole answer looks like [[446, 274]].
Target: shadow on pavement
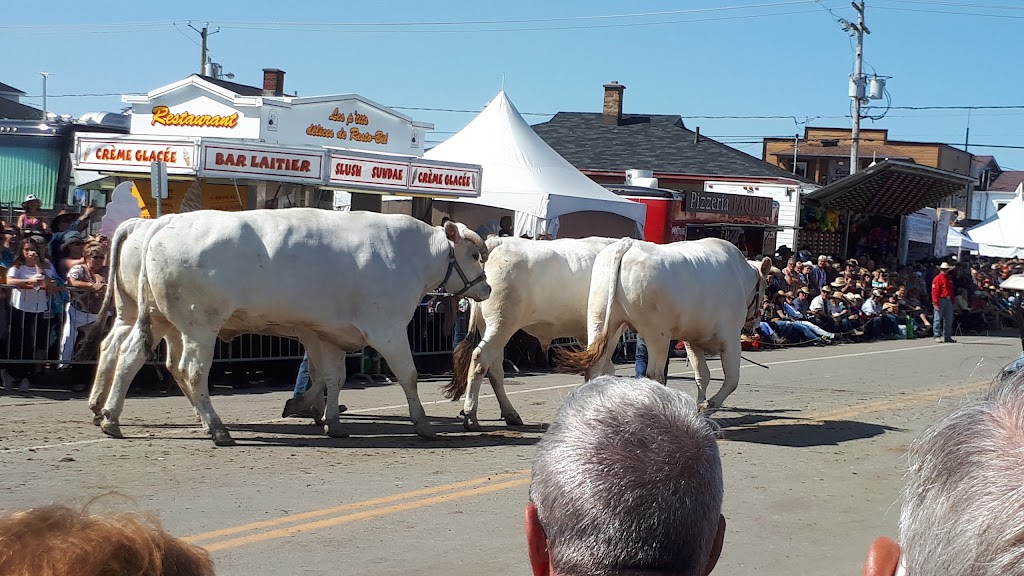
[[799, 434]]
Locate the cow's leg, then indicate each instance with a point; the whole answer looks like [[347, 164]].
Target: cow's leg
[[131, 357], [105, 367], [657, 357], [701, 372], [327, 369], [487, 360], [731, 368], [194, 366], [394, 347], [173, 363], [496, 376]]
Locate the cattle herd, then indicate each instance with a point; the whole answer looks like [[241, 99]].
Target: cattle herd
[[342, 281]]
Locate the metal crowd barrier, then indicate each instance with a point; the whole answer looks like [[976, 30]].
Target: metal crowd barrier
[[431, 339]]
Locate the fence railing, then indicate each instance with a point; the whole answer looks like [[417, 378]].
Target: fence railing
[[40, 335]]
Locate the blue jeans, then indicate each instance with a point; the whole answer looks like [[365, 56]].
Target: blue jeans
[[641, 358], [942, 321], [302, 381]]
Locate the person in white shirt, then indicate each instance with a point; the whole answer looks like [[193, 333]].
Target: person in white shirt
[[33, 277]]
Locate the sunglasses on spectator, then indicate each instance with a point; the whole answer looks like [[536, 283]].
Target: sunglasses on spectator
[[10, 233]]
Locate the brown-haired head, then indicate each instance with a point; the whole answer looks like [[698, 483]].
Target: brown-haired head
[[60, 541]]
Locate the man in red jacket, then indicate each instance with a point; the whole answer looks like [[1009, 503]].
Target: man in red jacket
[[942, 301]]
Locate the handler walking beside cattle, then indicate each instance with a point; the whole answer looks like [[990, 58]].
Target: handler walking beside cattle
[[210, 273], [703, 292]]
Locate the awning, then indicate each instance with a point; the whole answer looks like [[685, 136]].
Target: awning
[[890, 187]]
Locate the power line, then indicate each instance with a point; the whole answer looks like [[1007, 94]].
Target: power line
[[242, 23], [951, 13], [270, 26], [957, 4]]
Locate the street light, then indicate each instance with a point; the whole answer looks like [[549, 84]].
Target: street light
[[45, 75]]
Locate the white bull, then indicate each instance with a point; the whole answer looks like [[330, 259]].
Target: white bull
[[335, 281], [538, 287], [703, 292]]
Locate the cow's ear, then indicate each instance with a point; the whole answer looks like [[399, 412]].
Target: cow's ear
[[451, 231], [766, 266]]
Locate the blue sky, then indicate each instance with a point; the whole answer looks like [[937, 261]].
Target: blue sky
[[701, 58]]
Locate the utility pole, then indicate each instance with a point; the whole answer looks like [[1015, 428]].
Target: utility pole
[[204, 35], [860, 29], [45, 75]]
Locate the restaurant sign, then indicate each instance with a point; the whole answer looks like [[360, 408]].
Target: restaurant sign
[[105, 154], [714, 207], [262, 163], [351, 170]]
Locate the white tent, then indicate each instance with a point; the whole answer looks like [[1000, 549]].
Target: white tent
[[1002, 234], [958, 241], [522, 174]]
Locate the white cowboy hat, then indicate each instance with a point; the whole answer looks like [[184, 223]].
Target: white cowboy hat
[[945, 266], [30, 198]]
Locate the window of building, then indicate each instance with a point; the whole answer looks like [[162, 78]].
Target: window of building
[[801, 169]]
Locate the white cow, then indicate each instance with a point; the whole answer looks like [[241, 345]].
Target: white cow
[[703, 292], [336, 281], [539, 287]]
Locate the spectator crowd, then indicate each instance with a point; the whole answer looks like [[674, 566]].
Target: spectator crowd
[[830, 300]]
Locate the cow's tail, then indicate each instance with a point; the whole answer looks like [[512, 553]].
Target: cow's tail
[[580, 361], [462, 356], [143, 323], [97, 330]]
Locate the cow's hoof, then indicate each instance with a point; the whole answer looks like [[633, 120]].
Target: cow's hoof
[[97, 419], [472, 425], [223, 438], [111, 428], [319, 420], [335, 431], [425, 431], [512, 419]]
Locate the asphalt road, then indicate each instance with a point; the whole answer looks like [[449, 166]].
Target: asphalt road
[[813, 452]]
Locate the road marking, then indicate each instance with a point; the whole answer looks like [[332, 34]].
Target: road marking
[[531, 391], [676, 374], [499, 482], [352, 506], [864, 409], [364, 515], [59, 445]]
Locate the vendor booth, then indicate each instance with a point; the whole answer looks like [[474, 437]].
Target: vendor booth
[[229, 146], [958, 243], [866, 213], [527, 180]]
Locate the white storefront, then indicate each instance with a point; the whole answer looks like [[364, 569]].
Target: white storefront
[[260, 149]]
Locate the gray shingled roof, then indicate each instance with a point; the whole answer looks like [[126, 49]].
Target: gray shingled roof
[[648, 142], [11, 110], [10, 89]]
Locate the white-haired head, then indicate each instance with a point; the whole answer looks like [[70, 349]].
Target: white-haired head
[[627, 480], [963, 507]]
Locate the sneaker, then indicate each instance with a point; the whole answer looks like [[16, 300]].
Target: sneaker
[[950, 341], [8, 380], [25, 385], [939, 340]]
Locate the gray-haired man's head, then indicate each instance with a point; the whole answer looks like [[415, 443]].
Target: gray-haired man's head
[[626, 480], [963, 505]]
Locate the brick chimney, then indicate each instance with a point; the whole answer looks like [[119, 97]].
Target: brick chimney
[[273, 82], [612, 113]]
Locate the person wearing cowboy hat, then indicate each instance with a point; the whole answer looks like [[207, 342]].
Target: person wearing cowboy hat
[[67, 222], [942, 304], [31, 220]]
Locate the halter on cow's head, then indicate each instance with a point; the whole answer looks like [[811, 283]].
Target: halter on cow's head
[[763, 269], [467, 254]]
